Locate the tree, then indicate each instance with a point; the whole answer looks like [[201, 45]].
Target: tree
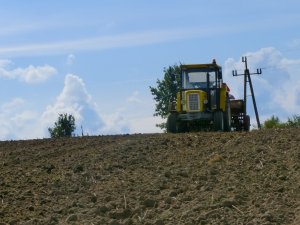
[[63, 127], [166, 92], [273, 122], [294, 121]]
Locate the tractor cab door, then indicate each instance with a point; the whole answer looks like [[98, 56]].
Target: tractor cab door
[[212, 96]]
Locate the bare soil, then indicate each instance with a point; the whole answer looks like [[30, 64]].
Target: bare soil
[[194, 178]]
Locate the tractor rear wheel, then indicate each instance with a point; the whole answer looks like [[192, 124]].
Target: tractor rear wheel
[[172, 123], [218, 121], [227, 116], [182, 127], [247, 123]]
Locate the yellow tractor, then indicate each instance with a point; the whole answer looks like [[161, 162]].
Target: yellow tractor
[[204, 103]]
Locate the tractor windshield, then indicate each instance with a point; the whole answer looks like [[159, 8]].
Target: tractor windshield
[[197, 79]]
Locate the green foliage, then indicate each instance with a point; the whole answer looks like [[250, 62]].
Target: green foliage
[[162, 126], [274, 122], [166, 92], [63, 127], [294, 121]]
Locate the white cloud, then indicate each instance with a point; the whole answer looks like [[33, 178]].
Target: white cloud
[[277, 93], [134, 116], [294, 43], [142, 37], [115, 122], [134, 97], [4, 63], [10, 28], [277, 90], [138, 112], [71, 59], [131, 120], [74, 99], [12, 105], [30, 74], [145, 124], [16, 121], [115, 41]]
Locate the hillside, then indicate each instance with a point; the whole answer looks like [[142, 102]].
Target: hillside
[[195, 178]]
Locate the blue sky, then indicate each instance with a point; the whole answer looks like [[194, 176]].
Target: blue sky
[[97, 59]]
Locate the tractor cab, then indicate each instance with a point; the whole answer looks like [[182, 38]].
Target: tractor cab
[[206, 78], [201, 77]]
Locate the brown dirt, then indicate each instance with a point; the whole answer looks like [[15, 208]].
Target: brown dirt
[[195, 178]]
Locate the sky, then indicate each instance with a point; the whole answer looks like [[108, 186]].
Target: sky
[[96, 59]]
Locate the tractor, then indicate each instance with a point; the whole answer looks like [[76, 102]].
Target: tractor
[[204, 102]]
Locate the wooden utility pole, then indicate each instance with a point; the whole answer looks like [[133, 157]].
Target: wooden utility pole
[[247, 78]]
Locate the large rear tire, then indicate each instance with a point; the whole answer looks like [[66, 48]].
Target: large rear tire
[[182, 127], [172, 123], [247, 123], [218, 121], [227, 116]]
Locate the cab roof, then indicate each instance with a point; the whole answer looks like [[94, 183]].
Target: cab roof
[[200, 66]]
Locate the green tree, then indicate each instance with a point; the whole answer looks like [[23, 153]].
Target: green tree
[[273, 122], [294, 121], [63, 127], [166, 92]]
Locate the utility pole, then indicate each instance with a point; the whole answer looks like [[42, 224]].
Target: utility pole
[[247, 78]]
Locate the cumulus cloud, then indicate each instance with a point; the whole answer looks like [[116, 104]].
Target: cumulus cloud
[[277, 90], [4, 62], [145, 124], [115, 122], [12, 105], [30, 74], [16, 121], [133, 116], [75, 99]]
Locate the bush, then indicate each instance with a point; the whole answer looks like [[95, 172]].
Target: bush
[[294, 121], [63, 127], [273, 122]]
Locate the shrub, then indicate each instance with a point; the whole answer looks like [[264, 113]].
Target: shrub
[[63, 127], [294, 121], [273, 122]]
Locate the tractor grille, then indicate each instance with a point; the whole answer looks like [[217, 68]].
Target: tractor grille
[[193, 102]]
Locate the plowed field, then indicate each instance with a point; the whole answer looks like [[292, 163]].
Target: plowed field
[[194, 178]]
